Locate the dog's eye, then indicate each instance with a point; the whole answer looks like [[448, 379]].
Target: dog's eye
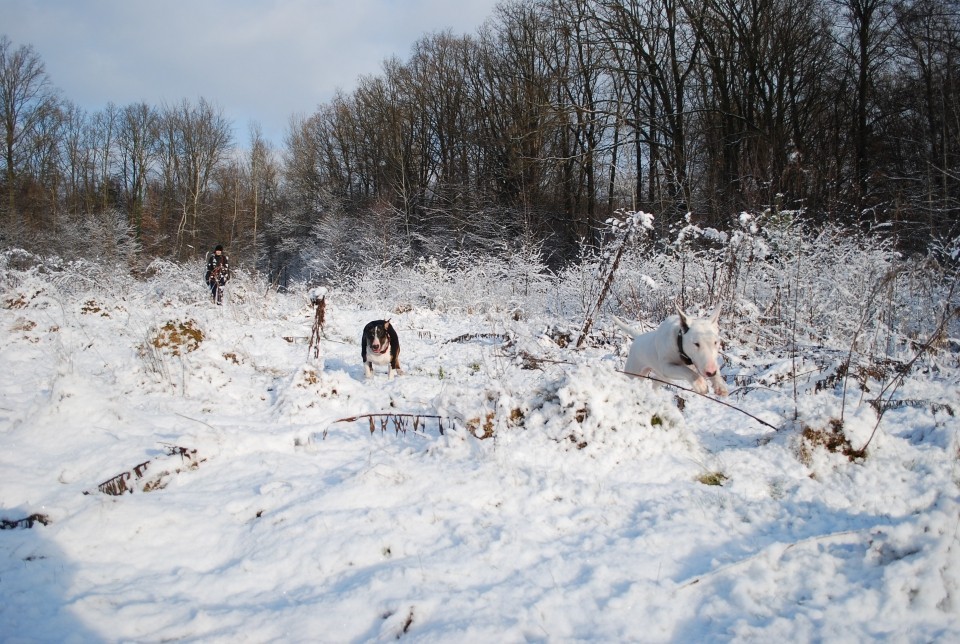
[[696, 344]]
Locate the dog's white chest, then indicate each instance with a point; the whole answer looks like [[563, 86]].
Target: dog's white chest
[[378, 358]]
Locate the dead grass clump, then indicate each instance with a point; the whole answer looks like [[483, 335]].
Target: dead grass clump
[[712, 478], [23, 324], [581, 414], [177, 338], [20, 301], [400, 423], [562, 337], [830, 438], [482, 428], [92, 307], [308, 378], [17, 302], [136, 478], [833, 380]]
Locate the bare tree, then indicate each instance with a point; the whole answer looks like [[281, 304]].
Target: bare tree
[[513, 97], [926, 98], [103, 134], [581, 89], [654, 51], [200, 140], [762, 87], [26, 99], [41, 180], [865, 44], [77, 163], [137, 142], [263, 180]]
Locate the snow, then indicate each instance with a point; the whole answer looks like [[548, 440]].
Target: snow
[[563, 500]]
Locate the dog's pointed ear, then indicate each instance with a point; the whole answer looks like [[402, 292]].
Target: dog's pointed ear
[[386, 324], [716, 313], [684, 320]]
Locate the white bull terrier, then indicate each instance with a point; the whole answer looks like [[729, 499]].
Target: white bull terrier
[[681, 348]]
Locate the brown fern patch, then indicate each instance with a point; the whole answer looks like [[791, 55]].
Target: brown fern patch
[[24, 325], [20, 301], [92, 307], [830, 438], [481, 429]]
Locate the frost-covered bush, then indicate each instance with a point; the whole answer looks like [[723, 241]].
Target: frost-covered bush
[[782, 284], [510, 284], [162, 281]]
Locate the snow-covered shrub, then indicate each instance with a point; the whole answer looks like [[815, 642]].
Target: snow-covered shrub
[[506, 284], [593, 409], [781, 284], [784, 285], [484, 416]]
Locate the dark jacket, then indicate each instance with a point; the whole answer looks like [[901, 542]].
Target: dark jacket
[[218, 267]]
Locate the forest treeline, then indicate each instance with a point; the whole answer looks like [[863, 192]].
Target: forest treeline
[[533, 130]]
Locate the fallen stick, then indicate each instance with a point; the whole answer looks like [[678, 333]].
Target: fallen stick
[[719, 402]]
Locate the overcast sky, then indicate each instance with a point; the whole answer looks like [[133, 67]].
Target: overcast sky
[[258, 60]]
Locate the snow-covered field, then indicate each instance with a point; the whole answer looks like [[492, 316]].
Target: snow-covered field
[[563, 500]]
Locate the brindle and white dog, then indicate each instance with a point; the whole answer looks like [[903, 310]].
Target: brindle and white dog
[[681, 348], [380, 345]]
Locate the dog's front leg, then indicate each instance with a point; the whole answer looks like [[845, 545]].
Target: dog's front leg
[[719, 385], [700, 385], [682, 372], [395, 365]]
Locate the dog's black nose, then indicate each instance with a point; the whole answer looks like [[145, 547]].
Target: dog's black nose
[[711, 374]]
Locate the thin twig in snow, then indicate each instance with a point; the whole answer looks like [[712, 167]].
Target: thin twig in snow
[[719, 402]]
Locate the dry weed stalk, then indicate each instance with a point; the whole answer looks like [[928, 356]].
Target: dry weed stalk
[[894, 383], [400, 422], [24, 523], [320, 304], [885, 282], [126, 481], [626, 230]]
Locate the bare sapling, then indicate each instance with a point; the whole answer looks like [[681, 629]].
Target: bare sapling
[[869, 310], [947, 315], [318, 298], [626, 231]]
